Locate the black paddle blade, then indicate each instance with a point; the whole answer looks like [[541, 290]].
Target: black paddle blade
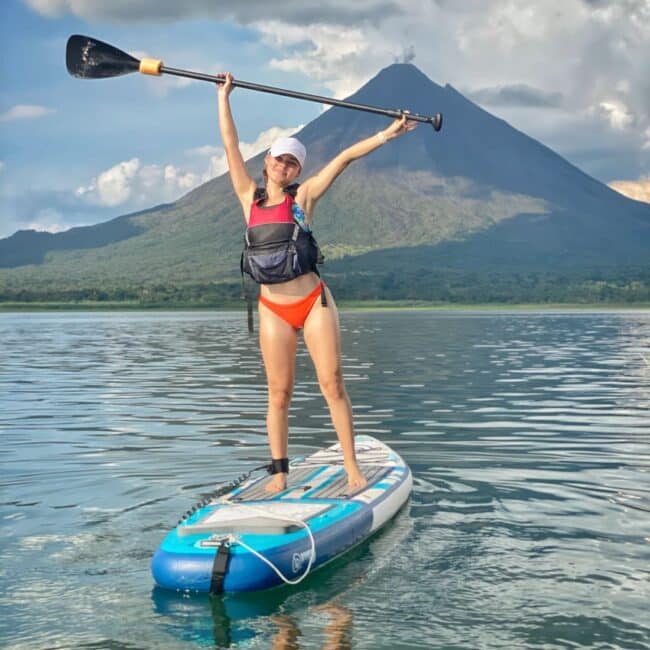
[[88, 58]]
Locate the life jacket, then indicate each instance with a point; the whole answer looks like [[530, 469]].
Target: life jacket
[[277, 247]]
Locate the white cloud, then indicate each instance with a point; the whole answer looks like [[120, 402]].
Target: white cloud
[[646, 139], [132, 185], [218, 163], [637, 190], [113, 186], [294, 11], [49, 8], [516, 95], [25, 112], [205, 150], [136, 185], [328, 53], [165, 84], [618, 115], [46, 210], [47, 220]]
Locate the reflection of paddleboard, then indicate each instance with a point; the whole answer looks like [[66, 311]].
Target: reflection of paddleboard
[[248, 539]]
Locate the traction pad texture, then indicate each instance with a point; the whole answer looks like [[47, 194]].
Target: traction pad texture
[[334, 488]]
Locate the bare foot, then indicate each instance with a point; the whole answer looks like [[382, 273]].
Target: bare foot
[[356, 479], [278, 483]]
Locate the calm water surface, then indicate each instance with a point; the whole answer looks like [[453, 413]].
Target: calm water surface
[[528, 436]]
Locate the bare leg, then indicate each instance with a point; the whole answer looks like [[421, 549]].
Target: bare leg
[[323, 340], [278, 342]]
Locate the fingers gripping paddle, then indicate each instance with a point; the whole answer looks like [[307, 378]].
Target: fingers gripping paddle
[[88, 58]]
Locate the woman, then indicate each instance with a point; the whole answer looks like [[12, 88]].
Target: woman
[[289, 293]]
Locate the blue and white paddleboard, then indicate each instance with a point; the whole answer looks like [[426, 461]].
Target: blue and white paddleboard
[[249, 539]]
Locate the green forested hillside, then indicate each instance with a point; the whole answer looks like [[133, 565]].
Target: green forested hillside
[[198, 240]]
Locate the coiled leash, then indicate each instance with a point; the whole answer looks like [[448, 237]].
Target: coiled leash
[[220, 565]]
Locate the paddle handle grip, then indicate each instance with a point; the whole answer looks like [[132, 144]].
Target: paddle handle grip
[[150, 66]]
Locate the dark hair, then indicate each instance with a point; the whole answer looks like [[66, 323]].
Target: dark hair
[[260, 192]]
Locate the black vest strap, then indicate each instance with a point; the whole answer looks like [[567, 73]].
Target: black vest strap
[[249, 314], [219, 567], [260, 192], [246, 295]]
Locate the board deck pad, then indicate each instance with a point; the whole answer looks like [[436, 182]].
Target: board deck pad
[[325, 487], [234, 519]]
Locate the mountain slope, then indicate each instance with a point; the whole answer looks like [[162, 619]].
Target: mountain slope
[[478, 196]]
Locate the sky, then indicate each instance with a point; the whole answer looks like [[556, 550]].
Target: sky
[[572, 74]]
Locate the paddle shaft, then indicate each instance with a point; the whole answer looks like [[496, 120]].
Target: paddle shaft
[[88, 58], [434, 121]]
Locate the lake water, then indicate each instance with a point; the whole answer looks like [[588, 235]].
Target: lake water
[[528, 435]]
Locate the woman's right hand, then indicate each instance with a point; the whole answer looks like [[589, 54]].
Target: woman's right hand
[[400, 126], [225, 87]]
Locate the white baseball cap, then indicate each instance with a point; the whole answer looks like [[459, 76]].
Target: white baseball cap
[[291, 146]]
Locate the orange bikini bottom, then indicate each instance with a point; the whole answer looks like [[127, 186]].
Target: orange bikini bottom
[[295, 313]]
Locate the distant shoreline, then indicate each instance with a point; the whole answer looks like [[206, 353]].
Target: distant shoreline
[[359, 305]]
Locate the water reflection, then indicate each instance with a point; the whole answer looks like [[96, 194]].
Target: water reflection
[[336, 632], [288, 616], [234, 621]]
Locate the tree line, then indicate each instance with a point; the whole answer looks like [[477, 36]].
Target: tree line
[[433, 286]]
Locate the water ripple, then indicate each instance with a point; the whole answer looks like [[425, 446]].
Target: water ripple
[[528, 436]]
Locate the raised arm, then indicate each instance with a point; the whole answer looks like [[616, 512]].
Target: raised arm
[[314, 187], [242, 182]]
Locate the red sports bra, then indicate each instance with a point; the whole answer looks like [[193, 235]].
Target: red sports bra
[[280, 213]]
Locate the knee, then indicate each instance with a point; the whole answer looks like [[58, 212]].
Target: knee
[[333, 387], [279, 398]]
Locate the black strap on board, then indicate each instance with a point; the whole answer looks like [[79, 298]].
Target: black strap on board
[[219, 567]]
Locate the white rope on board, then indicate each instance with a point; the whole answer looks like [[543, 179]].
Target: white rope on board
[[234, 539]]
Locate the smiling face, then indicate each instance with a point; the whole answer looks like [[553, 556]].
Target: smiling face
[[283, 169]]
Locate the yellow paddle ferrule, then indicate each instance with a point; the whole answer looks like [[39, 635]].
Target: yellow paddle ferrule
[[150, 66]]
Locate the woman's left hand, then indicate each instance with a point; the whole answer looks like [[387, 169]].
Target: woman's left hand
[[400, 126], [225, 87]]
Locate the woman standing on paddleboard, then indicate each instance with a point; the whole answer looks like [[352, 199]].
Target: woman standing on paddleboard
[[281, 255]]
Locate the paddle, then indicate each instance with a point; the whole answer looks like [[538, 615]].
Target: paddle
[[88, 58]]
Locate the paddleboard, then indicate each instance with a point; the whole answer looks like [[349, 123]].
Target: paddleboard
[[249, 539]]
